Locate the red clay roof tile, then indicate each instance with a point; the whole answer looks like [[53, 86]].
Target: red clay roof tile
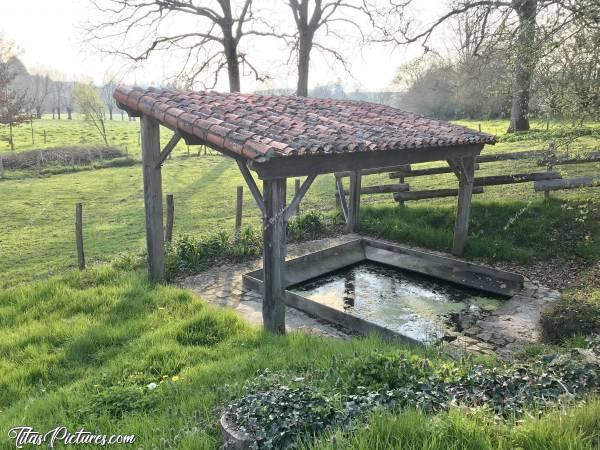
[[266, 126]]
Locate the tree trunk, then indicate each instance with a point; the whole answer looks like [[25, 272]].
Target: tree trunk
[[58, 113], [69, 115], [305, 46], [525, 61], [233, 65], [110, 112]]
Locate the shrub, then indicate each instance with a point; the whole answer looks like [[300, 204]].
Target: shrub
[[569, 317]]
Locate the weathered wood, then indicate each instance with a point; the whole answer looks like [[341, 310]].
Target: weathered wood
[[465, 171], [274, 255], [495, 180], [1, 167], [354, 202], [150, 142], [296, 189], [301, 192], [239, 205], [252, 186], [383, 189], [404, 167], [431, 193], [341, 196], [169, 148], [170, 218], [423, 172], [572, 183], [79, 235], [494, 157], [302, 165], [563, 160]]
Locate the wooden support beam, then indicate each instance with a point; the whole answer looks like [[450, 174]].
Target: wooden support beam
[[383, 189], [169, 148], [354, 202], [239, 205], [150, 141], [79, 235], [465, 171], [252, 186], [298, 196], [423, 172], [170, 218], [495, 180], [341, 195], [274, 255], [296, 189], [431, 193], [403, 167]]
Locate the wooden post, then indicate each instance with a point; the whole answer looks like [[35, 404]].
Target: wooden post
[[274, 255], [79, 235], [170, 218], [32, 137], [150, 142], [465, 171], [353, 202], [296, 189], [401, 181], [239, 204]]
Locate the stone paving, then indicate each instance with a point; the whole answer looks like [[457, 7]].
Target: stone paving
[[503, 332]]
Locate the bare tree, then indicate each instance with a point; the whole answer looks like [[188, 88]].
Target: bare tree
[[312, 15], [40, 91], [106, 92], [89, 103], [147, 26], [14, 103], [58, 91], [528, 24]]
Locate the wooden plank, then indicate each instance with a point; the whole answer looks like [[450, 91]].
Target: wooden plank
[[432, 193], [150, 141], [354, 202], [79, 235], [342, 198], [302, 165], [572, 183], [252, 186], [423, 172], [495, 180], [383, 189], [239, 204], [494, 157], [298, 197], [465, 169], [296, 189], [169, 148], [274, 255], [561, 160], [170, 218], [346, 174]]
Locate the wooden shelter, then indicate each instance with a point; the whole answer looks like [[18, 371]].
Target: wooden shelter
[[283, 136]]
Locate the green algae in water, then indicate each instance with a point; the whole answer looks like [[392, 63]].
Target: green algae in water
[[405, 302]]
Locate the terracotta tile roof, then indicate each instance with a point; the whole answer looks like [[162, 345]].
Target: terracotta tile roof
[[260, 126]]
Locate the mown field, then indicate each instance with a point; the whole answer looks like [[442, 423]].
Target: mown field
[[81, 349], [37, 212]]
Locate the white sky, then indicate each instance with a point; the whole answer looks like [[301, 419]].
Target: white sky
[[49, 34]]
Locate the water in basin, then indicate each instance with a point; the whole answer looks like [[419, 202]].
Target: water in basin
[[405, 302]]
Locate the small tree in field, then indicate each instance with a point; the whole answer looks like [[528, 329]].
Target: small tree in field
[[90, 104]]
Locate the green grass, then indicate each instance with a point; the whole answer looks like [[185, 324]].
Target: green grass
[[577, 428], [36, 214], [80, 350]]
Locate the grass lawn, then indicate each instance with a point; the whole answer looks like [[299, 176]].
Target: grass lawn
[[37, 214], [80, 350]]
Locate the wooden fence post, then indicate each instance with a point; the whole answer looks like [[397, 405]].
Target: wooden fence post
[[296, 189], [239, 204], [170, 218], [79, 235], [1, 167]]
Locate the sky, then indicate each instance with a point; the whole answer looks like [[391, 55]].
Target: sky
[[50, 35]]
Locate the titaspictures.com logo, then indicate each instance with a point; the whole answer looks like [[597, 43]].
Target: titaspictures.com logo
[[27, 436]]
